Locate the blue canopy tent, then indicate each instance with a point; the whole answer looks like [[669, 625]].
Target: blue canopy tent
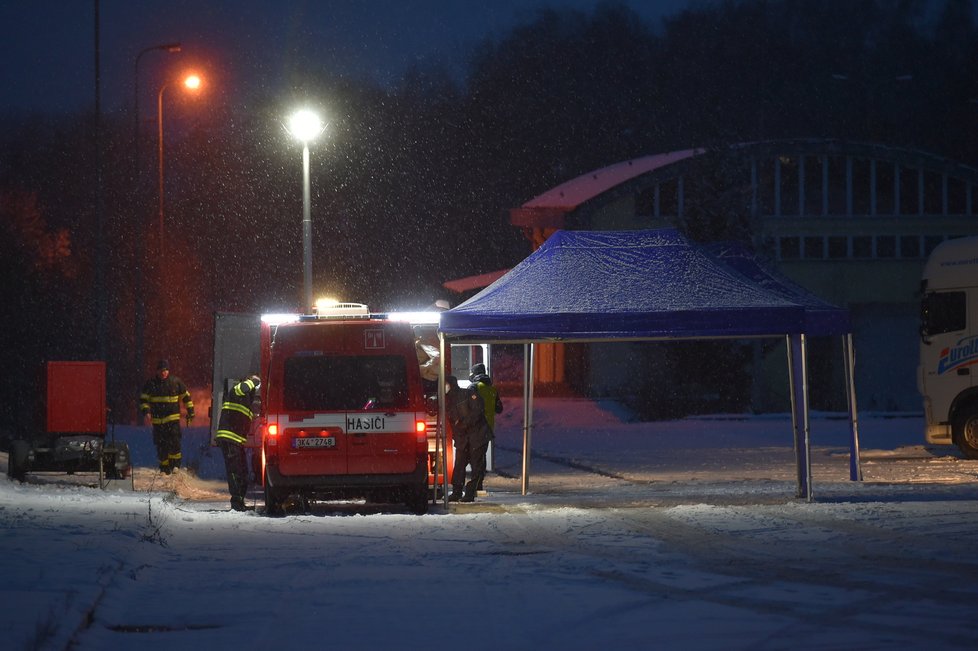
[[593, 286], [821, 319]]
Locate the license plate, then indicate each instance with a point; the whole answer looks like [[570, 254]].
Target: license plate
[[315, 442]]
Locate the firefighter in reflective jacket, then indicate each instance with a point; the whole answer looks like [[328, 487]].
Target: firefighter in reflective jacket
[[241, 405], [160, 399]]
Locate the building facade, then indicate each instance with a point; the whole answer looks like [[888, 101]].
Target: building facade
[[851, 222]]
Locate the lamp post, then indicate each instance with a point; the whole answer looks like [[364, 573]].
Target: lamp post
[[139, 317], [191, 82], [305, 126]]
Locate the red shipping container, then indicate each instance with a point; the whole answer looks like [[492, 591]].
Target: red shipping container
[[76, 397]]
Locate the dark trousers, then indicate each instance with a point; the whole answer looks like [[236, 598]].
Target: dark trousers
[[466, 455], [166, 438], [236, 465]]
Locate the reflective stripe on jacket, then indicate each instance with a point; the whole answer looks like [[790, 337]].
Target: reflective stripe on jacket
[[236, 413], [162, 398]]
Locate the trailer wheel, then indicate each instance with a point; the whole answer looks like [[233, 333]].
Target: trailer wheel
[[17, 460], [116, 462], [965, 432]]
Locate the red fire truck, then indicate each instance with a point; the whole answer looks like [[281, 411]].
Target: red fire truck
[[345, 413]]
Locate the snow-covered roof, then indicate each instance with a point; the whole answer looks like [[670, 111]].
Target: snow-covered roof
[[549, 208], [573, 193]]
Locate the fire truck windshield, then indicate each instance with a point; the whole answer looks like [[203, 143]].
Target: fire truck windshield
[[345, 382]]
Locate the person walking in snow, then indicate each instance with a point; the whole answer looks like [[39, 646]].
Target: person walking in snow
[[490, 399], [471, 434], [160, 400], [241, 405]]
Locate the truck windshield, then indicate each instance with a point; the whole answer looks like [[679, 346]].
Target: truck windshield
[[942, 312], [345, 382]]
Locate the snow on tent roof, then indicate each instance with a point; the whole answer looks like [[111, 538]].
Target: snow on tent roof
[[821, 318], [601, 285]]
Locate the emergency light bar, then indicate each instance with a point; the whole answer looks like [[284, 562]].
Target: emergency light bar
[[352, 310], [337, 310]]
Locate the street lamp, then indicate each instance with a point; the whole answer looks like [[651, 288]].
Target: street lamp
[[305, 126], [190, 82], [139, 316]]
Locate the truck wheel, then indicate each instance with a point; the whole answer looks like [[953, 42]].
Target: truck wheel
[[273, 500], [417, 500], [17, 460], [965, 432]]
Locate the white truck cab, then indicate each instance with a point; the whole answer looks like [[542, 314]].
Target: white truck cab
[[947, 376]]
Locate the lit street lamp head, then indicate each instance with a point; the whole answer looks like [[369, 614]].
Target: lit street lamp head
[[192, 82], [305, 125]]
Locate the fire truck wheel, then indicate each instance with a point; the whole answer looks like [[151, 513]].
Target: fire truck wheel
[[17, 460], [417, 500], [965, 432], [273, 501]]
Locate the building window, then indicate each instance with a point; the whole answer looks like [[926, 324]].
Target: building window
[[862, 246], [931, 242], [838, 246], [858, 247], [814, 248], [885, 246], [910, 246], [645, 203], [790, 248]]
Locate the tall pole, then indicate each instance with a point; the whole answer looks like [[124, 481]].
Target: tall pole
[[159, 135], [306, 229], [138, 239], [305, 125], [101, 295]]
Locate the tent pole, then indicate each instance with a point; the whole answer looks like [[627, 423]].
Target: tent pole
[[791, 389], [527, 413], [855, 467], [441, 436], [799, 384]]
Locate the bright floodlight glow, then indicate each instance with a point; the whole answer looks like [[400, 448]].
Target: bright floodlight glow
[[417, 318], [305, 125], [326, 303], [279, 319], [192, 82]]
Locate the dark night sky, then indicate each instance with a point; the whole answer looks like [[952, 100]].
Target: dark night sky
[[48, 50]]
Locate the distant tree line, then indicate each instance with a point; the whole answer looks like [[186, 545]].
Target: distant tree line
[[412, 184]]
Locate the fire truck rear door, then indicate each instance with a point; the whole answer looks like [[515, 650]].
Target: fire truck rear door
[[237, 354]]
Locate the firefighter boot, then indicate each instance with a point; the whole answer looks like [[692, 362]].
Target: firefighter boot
[[238, 504]]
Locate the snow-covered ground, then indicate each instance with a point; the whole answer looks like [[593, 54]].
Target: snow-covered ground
[[674, 535]]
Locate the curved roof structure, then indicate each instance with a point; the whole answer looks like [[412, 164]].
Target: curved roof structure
[[569, 204], [567, 196]]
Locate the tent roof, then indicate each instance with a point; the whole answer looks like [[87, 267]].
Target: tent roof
[[821, 317], [603, 285]]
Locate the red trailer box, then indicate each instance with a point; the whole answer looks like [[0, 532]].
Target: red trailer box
[[73, 437], [76, 397]]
